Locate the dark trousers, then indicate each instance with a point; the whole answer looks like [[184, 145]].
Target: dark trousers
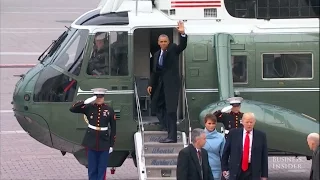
[[97, 164], [246, 175], [167, 120], [161, 115], [161, 107], [172, 125]]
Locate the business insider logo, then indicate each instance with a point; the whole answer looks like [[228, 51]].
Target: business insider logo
[[288, 163]]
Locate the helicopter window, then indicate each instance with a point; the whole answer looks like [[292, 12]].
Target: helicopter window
[[273, 9], [239, 68], [54, 86], [70, 59], [287, 65], [109, 55]]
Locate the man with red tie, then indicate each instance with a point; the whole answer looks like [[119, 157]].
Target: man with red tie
[[245, 155]]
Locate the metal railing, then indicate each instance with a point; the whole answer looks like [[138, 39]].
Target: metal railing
[[17, 65], [141, 128], [187, 107]]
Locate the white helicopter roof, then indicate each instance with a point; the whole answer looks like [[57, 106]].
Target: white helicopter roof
[[200, 16]]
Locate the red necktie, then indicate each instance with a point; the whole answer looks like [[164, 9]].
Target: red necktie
[[245, 155]]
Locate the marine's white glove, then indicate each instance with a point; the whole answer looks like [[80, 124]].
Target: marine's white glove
[[225, 109], [110, 150], [90, 100]]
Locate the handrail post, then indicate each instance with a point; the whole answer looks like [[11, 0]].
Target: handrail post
[[141, 128], [187, 108]]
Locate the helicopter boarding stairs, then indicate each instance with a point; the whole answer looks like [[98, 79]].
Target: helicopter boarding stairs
[[155, 161]]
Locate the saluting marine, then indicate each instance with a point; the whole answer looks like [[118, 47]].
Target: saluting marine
[[233, 119], [97, 139]]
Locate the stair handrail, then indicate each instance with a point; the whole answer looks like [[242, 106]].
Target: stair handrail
[[141, 128], [187, 107]]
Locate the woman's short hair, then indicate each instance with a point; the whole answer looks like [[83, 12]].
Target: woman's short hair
[[210, 117]]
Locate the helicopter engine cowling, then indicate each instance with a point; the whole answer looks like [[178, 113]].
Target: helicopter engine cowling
[[286, 130]]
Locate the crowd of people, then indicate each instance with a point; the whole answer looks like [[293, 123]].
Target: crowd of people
[[242, 155]]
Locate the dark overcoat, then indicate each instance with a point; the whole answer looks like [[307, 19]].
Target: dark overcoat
[[188, 166], [314, 172], [169, 75], [99, 116], [232, 154]]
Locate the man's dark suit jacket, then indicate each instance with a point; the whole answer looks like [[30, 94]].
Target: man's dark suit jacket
[[170, 75], [188, 167], [234, 148], [314, 174]]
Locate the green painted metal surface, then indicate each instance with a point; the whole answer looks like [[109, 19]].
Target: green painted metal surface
[[52, 124]]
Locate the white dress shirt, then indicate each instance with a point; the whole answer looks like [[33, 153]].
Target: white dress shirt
[[161, 51], [250, 144]]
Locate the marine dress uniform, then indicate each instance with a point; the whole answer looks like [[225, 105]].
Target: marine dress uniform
[[97, 140], [233, 119]]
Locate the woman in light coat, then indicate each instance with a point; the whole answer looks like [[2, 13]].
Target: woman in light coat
[[214, 145]]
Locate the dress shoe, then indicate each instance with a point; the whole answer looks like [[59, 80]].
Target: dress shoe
[[167, 140]]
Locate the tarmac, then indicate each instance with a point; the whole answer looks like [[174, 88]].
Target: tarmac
[[27, 28]]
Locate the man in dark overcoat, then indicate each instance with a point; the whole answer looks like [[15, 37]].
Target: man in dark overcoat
[[165, 82], [313, 143], [245, 155]]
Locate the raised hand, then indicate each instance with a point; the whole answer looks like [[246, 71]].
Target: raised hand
[[90, 100], [149, 89], [225, 109], [180, 27]]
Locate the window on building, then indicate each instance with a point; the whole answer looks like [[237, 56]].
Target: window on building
[[239, 68], [273, 9], [286, 65], [109, 55], [54, 86]]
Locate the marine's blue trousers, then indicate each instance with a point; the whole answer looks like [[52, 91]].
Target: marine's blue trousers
[[97, 164]]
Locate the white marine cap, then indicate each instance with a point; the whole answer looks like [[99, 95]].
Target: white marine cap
[[235, 100], [100, 36], [99, 91]]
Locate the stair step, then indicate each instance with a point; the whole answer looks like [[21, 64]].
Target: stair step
[[162, 178], [162, 148], [161, 155], [161, 159], [156, 136], [162, 167], [161, 171]]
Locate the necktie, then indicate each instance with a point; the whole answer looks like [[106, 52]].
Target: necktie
[[200, 162], [245, 155], [161, 58], [199, 157]]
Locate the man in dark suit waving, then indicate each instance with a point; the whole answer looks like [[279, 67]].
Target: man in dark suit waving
[[193, 163], [164, 85], [245, 155]]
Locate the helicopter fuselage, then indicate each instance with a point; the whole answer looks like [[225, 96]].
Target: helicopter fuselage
[[277, 60]]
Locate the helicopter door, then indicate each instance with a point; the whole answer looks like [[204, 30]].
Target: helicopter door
[[108, 67]]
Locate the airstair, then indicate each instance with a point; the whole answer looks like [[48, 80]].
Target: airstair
[[156, 161]]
